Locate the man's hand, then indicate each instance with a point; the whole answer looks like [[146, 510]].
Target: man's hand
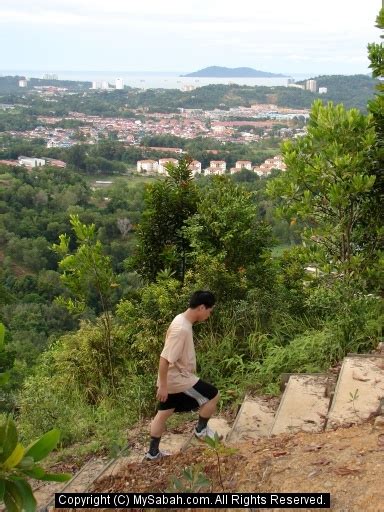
[[162, 393]]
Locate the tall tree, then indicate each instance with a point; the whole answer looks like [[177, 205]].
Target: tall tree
[[86, 273], [228, 243], [168, 204], [328, 184], [376, 107]]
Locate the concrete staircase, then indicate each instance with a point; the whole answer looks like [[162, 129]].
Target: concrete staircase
[[310, 402], [359, 392]]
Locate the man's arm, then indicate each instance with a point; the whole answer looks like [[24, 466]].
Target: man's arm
[[162, 391]]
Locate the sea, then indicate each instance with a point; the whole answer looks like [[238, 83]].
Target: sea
[[153, 80]]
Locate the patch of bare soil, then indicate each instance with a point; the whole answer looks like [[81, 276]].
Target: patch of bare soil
[[347, 463]]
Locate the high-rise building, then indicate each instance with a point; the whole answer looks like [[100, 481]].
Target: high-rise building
[[119, 83], [311, 85], [23, 83], [50, 76]]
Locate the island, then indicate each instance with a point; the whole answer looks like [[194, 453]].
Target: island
[[222, 72]]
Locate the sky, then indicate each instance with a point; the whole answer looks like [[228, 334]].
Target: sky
[[279, 36]]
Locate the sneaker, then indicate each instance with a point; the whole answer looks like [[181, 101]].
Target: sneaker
[[206, 432], [159, 455]]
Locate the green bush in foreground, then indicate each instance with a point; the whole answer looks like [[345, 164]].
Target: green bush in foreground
[[18, 463]]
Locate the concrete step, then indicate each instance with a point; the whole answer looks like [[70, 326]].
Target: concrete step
[[304, 405], [254, 419], [45, 493], [359, 390]]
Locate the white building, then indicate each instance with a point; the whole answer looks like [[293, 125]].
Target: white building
[[104, 84], [218, 128], [31, 161], [96, 84], [298, 86], [23, 83], [219, 165], [311, 85], [243, 164], [50, 76], [271, 163], [216, 167], [163, 162], [147, 166], [119, 84], [323, 90], [195, 167]]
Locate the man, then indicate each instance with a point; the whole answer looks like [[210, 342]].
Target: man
[[178, 387]]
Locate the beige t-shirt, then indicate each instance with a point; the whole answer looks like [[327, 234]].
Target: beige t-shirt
[[179, 351]]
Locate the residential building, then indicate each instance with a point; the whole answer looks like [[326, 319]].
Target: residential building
[[220, 165], [216, 167], [31, 161], [323, 90], [243, 164], [163, 162], [119, 84], [298, 86], [311, 85], [55, 163], [50, 76], [147, 166], [271, 163], [195, 167]]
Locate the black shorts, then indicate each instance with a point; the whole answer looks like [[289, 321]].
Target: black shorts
[[191, 399]]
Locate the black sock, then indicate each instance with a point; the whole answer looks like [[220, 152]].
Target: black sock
[[154, 445], [202, 423]]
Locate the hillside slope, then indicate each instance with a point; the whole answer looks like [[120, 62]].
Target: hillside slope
[[347, 462]]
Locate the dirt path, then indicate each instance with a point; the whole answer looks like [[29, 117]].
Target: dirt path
[[348, 463]]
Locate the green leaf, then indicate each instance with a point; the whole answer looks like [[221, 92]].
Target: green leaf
[[43, 446], [26, 463], [15, 457], [36, 472], [21, 495], [12, 499], [8, 438], [210, 442]]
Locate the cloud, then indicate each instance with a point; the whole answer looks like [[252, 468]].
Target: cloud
[[170, 33]]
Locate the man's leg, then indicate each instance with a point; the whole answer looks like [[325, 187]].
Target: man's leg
[[157, 430], [208, 409], [159, 421], [205, 412]]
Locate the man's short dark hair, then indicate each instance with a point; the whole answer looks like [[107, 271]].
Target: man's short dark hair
[[202, 297]]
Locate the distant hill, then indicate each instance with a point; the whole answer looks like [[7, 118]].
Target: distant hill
[[10, 84], [220, 72]]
